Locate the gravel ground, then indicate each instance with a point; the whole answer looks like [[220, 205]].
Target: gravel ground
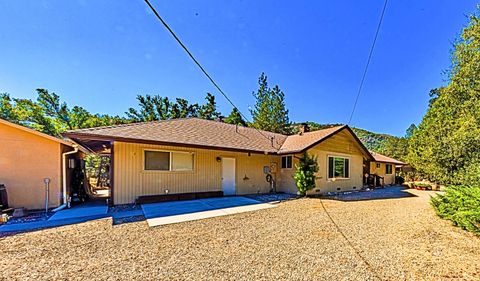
[[389, 239]]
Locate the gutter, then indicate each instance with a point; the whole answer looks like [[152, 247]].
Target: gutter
[[64, 178]]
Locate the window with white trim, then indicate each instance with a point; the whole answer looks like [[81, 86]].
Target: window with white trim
[[287, 162], [338, 167], [168, 161]]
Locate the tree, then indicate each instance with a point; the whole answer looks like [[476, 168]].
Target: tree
[[209, 110], [410, 131], [235, 118], [48, 114], [395, 147], [446, 145], [152, 108], [305, 173], [269, 112], [7, 108]]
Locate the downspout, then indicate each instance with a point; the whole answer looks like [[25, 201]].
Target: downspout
[[64, 178]]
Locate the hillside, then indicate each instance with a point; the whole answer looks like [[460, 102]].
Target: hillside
[[373, 141]]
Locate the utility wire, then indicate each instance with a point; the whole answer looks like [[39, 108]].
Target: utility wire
[[199, 65], [368, 60]]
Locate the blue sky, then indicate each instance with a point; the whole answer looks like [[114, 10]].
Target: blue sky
[[101, 54]]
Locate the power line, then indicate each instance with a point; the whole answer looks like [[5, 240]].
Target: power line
[[368, 60], [197, 63]]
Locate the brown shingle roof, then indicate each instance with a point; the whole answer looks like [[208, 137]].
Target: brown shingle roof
[[382, 158], [298, 143], [189, 132], [202, 133]]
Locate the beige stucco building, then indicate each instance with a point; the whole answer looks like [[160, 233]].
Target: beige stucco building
[[27, 157], [385, 167]]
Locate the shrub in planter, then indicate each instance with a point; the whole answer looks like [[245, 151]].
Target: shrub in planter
[[461, 205]]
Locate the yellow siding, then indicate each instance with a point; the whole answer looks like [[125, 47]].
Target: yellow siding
[[341, 144], [132, 181], [381, 171]]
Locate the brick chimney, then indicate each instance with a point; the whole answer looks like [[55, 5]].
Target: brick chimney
[[303, 128]]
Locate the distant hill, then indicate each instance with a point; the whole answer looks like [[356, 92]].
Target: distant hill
[[373, 141]]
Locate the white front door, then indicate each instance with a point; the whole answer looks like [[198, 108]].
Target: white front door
[[228, 176]]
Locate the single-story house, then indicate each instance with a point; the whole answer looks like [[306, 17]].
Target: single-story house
[[27, 158], [184, 156], [385, 167]]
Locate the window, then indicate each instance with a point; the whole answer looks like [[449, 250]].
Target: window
[[168, 161], [182, 161], [157, 160], [338, 167], [378, 166], [287, 162], [388, 169]]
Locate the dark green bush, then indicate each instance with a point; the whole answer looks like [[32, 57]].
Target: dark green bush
[[461, 205]]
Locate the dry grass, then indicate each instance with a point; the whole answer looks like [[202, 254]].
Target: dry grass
[[392, 239]]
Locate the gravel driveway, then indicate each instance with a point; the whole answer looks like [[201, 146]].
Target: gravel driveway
[[389, 239]]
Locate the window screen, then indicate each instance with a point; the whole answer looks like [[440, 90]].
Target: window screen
[[182, 161], [338, 167], [287, 162], [157, 160]]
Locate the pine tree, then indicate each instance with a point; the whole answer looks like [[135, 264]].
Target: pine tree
[[209, 110], [235, 118], [269, 112]]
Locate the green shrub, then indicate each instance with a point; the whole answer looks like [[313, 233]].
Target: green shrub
[[305, 173], [461, 205]]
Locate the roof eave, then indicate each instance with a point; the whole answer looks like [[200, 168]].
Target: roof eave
[[74, 136]]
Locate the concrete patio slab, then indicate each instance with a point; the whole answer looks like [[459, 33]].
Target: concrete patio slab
[[182, 211], [79, 212]]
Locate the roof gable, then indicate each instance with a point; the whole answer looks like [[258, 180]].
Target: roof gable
[[34, 132], [300, 143]]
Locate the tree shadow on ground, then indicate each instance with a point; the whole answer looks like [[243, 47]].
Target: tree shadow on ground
[[391, 192]]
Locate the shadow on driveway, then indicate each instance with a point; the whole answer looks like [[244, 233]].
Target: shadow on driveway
[[391, 192]]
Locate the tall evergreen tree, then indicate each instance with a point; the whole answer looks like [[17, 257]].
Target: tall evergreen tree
[[269, 112], [446, 145], [235, 118], [410, 131], [209, 110]]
